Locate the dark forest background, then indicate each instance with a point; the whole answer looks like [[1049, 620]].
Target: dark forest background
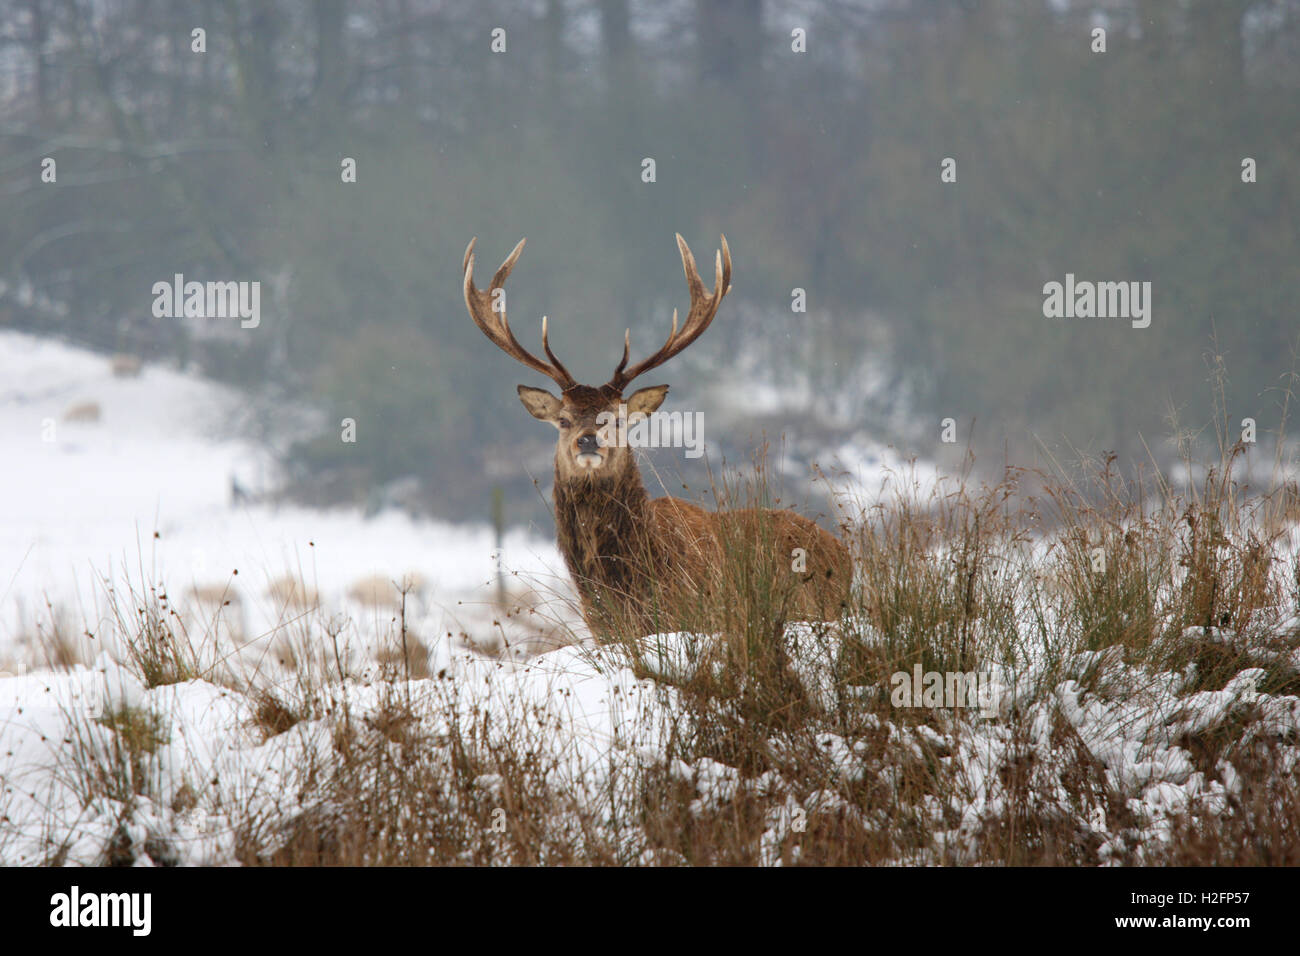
[[822, 168]]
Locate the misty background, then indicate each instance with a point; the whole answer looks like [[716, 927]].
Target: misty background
[[822, 167]]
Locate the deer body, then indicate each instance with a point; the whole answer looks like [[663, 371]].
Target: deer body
[[640, 563]]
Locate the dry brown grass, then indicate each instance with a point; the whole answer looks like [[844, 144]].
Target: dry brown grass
[[379, 591], [87, 412], [125, 365]]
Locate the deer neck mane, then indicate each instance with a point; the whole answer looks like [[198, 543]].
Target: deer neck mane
[[600, 525]]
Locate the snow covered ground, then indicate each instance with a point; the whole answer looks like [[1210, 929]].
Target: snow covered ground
[[139, 492], [110, 478], [596, 725]]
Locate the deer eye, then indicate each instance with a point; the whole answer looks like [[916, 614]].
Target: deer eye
[[565, 423]]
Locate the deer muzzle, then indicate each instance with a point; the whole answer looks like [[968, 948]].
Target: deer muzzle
[[587, 450]]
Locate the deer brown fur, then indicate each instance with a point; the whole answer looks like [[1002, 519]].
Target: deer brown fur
[[643, 564]]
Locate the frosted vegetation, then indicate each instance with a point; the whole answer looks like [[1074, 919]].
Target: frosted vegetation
[[359, 692]]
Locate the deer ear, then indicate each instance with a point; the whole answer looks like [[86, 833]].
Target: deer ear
[[540, 403], [646, 400]]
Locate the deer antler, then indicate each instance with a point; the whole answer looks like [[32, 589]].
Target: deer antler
[[498, 329], [704, 306]]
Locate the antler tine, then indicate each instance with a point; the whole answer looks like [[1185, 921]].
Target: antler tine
[[704, 306], [546, 346], [497, 329], [499, 279], [627, 345]]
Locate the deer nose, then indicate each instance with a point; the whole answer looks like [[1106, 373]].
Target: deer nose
[[588, 444]]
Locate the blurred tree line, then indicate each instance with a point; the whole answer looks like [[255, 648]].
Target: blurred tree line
[[822, 167]]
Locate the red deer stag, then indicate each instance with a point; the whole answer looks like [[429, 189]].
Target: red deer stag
[[639, 563]]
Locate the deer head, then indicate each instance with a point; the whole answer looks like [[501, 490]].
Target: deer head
[[586, 416]]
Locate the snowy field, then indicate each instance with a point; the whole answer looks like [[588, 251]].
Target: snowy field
[[596, 726], [97, 766], [110, 477]]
